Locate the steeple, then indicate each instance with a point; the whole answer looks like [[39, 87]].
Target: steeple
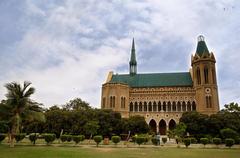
[[201, 46], [133, 61]]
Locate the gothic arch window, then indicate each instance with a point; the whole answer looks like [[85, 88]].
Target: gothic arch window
[[198, 76], [124, 102], [135, 106], [193, 106], [183, 106], [206, 75], [111, 101], [154, 106], [169, 106], [104, 102], [145, 106], [209, 101], [213, 76], [140, 106], [164, 106], [174, 108], [121, 102], [159, 106], [179, 106], [150, 106], [188, 106], [131, 106]]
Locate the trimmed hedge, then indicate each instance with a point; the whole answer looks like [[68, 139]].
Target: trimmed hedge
[[33, 138], [97, 139], [217, 141], [140, 140], [193, 140], [164, 140], [49, 137], [187, 142], [77, 139], [229, 142], [19, 137], [154, 141], [2, 137], [204, 141], [115, 139]]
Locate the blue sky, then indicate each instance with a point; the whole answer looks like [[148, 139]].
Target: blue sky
[[66, 47]]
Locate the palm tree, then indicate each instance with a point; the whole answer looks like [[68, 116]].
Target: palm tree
[[19, 107]]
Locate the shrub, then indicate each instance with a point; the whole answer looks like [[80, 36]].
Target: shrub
[[237, 140], [164, 140], [154, 141], [19, 137], [63, 138], [140, 140], [69, 138], [49, 138], [83, 137], [217, 141], [33, 137], [2, 137], [229, 142], [204, 141], [77, 139], [193, 140], [134, 139], [97, 139], [187, 142], [115, 139], [228, 133]]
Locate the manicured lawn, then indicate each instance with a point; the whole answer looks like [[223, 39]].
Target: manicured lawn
[[105, 152]]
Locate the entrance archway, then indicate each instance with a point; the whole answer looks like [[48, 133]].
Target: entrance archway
[[162, 127], [172, 124], [153, 126]]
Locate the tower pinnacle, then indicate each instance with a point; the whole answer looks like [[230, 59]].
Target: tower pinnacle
[[133, 61]]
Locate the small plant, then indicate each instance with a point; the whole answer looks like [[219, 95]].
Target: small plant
[[115, 139], [217, 141], [77, 139], [63, 138], [229, 142], [98, 139], [2, 137], [187, 142], [154, 141], [33, 137], [193, 140], [164, 140], [49, 138], [237, 140], [140, 140], [69, 138], [19, 137], [204, 141]]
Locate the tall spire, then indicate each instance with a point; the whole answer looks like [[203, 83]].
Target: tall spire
[[201, 46], [133, 61]]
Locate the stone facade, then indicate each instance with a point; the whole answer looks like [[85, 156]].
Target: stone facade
[[162, 105]]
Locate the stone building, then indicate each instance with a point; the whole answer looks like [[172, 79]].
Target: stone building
[[162, 97]]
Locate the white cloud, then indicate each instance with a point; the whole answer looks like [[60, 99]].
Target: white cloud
[[67, 47]]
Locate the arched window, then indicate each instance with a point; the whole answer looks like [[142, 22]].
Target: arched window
[[123, 100], [164, 106], [150, 106], [179, 106], [174, 106], [103, 102], [140, 106], [198, 76], [154, 106], [159, 106], [184, 106], [131, 106], [208, 101], [213, 76], [145, 106], [188, 106], [135, 106], [193, 106], [169, 106], [113, 101], [206, 75]]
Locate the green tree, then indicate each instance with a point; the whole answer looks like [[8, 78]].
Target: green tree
[[231, 107], [180, 130], [91, 128], [18, 107], [137, 124], [77, 104]]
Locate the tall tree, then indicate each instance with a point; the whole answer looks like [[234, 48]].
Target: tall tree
[[19, 107]]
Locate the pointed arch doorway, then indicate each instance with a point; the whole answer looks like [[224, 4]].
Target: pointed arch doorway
[[153, 126], [162, 127]]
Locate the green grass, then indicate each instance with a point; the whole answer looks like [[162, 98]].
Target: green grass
[[105, 152]]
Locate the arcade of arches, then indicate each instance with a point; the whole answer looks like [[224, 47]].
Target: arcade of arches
[[162, 126]]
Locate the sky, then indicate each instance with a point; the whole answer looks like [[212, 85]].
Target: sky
[[67, 47]]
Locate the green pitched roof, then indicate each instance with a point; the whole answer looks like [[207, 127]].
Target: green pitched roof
[[154, 79], [201, 46]]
